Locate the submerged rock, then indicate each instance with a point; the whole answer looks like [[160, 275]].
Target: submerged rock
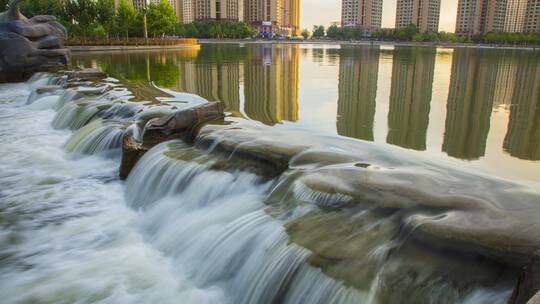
[[86, 74]]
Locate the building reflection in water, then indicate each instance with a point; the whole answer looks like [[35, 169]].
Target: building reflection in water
[[357, 91], [523, 136], [271, 84], [470, 102], [410, 96], [262, 83], [215, 75]]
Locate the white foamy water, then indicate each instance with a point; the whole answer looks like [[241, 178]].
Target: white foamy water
[[66, 233]]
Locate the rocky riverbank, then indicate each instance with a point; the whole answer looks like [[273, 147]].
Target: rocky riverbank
[[365, 213]]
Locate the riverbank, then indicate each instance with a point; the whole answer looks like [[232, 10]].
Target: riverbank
[[378, 43], [109, 48]]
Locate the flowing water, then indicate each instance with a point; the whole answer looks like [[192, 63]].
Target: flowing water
[[196, 224]]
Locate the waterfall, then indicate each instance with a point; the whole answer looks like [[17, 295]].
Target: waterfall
[[214, 224], [99, 136], [75, 115]]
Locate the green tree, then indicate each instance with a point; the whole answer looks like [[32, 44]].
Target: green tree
[[357, 32], [161, 18], [40, 7], [407, 33], [333, 32], [318, 31], [180, 30], [125, 17], [100, 32], [192, 30], [105, 13], [305, 33], [83, 13]]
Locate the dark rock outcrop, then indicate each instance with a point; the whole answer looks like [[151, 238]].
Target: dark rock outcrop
[[30, 45], [178, 125], [132, 151], [528, 286]]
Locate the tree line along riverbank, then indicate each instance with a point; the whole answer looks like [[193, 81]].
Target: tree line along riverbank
[[100, 21]]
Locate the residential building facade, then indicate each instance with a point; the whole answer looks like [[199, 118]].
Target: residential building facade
[[422, 13], [226, 10], [476, 17], [274, 16], [532, 17], [366, 14]]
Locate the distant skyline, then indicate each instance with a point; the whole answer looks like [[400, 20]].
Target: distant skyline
[[315, 12]]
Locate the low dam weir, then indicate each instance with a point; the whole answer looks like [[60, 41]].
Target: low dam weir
[[111, 199]]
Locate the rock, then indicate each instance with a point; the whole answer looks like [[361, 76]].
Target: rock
[[29, 46], [178, 125], [29, 30], [132, 151], [47, 89], [535, 299], [181, 123], [42, 19], [253, 144], [86, 74], [48, 42], [440, 206], [527, 290]]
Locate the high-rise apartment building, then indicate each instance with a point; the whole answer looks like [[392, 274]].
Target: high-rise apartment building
[[291, 17], [265, 15], [184, 11], [480, 16], [422, 13], [229, 10], [274, 16], [139, 4], [366, 14], [532, 17], [483, 16]]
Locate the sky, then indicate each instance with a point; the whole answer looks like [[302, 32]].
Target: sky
[[326, 11]]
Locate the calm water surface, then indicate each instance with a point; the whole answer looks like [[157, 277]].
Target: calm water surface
[[477, 108]]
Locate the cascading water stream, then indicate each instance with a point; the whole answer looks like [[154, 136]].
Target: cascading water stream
[[184, 228]]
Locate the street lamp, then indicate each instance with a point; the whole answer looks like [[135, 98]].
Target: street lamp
[[145, 24]]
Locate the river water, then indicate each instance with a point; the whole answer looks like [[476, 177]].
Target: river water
[[194, 226], [479, 107]]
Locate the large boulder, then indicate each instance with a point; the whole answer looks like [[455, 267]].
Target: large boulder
[[178, 125], [30, 45], [435, 206], [181, 123]]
